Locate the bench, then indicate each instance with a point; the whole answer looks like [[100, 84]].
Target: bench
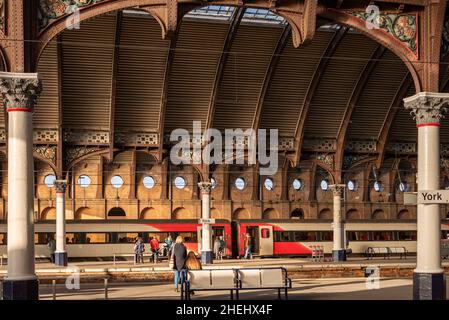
[[386, 252], [235, 280]]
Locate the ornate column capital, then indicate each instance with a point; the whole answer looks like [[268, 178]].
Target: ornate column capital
[[427, 108], [337, 189], [61, 186], [20, 90], [205, 187]]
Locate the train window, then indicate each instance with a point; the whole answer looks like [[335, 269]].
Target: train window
[[3, 238], [383, 236], [69, 238], [189, 237], [126, 237], [148, 182], [49, 180], [43, 238], [265, 232], [117, 182], [97, 238], [84, 181], [304, 236], [327, 235], [281, 236], [357, 235], [407, 235]]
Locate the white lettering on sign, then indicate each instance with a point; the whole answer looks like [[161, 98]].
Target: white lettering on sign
[[433, 196]]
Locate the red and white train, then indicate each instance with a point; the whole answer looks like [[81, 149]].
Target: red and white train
[[270, 238]]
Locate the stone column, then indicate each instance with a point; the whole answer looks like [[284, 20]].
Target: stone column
[[60, 254], [338, 252], [428, 278], [206, 252], [20, 92]]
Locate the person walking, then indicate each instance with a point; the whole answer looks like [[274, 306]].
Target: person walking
[[216, 248], [154, 244], [178, 255], [248, 254], [222, 248], [51, 248], [139, 249]]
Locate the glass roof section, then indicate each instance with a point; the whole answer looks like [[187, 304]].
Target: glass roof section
[[262, 16], [212, 12], [251, 15]]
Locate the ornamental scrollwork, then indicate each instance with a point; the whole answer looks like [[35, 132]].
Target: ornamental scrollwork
[[50, 10], [402, 27], [3, 16], [74, 153], [46, 152]]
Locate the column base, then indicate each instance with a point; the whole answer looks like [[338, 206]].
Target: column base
[[206, 257], [429, 286], [61, 259], [339, 255], [21, 289]]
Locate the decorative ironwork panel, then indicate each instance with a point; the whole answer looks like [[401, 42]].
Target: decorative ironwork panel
[[73, 153], [45, 136], [402, 27], [3, 4], [46, 152], [50, 10], [350, 160], [402, 147], [87, 137], [320, 145], [361, 146], [136, 139], [286, 143], [2, 135]]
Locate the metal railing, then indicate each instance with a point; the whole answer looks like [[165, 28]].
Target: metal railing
[[54, 286]]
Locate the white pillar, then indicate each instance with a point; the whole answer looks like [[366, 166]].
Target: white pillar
[[61, 253], [338, 252], [206, 251], [428, 278], [20, 92]]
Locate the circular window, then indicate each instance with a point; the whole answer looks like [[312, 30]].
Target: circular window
[[402, 187], [213, 182], [84, 181], [180, 182], [377, 186], [117, 182], [148, 182], [351, 185], [50, 180], [297, 184], [324, 185], [240, 183], [269, 184]]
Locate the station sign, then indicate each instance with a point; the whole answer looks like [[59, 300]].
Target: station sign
[[432, 196], [206, 221]]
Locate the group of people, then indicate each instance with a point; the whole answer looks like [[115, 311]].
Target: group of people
[[139, 248]]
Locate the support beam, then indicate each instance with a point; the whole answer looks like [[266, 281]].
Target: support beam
[[395, 105], [232, 31], [113, 95], [318, 74], [353, 100], [282, 42], [61, 253], [60, 146], [20, 91], [338, 252], [429, 282], [163, 105], [206, 251]]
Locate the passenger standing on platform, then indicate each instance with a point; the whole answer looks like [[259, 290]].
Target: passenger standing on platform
[[52, 248], [168, 244], [222, 249], [216, 247], [179, 254], [139, 249], [248, 254], [192, 262], [154, 244]]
